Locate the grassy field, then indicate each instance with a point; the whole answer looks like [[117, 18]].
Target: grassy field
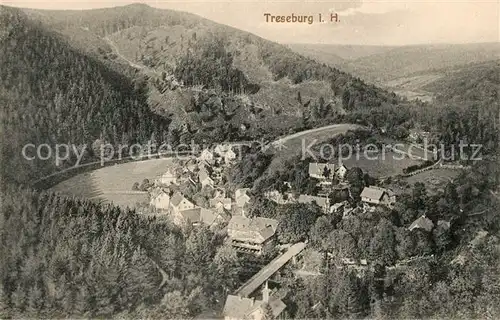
[[390, 166], [434, 180], [113, 184]]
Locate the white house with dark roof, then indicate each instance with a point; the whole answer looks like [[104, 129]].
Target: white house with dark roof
[[318, 170], [341, 172], [251, 234], [378, 196], [160, 199], [179, 203], [238, 308]]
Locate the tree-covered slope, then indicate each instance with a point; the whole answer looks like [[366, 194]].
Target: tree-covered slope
[[64, 257], [476, 82], [225, 75], [53, 94]]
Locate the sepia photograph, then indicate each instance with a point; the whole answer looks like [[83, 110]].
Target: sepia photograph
[[249, 159]]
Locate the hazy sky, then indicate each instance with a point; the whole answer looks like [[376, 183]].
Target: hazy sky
[[373, 22]]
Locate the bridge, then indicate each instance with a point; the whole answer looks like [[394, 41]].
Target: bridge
[[271, 268]]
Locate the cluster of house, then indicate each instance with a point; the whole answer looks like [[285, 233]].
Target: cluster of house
[[327, 173], [251, 235], [204, 171], [256, 235], [220, 155], [183, 211]]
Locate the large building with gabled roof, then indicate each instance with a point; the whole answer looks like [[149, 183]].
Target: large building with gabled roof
[[251, 234]]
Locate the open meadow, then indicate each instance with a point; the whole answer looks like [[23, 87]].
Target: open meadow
[[434, 180], [113, 184], [390, 165], [298, 145]]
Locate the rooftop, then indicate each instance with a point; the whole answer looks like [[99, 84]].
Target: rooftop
[[203, 175], [224, 201], [240, 192], [318, 168], [373, 193], [240, 308], [255, 229], [422, 223], [176, 199], [156, 192], [203, 215], [193, 215]]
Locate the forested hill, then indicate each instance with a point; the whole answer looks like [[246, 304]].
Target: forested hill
[[469, 96], [51, 94], [477, 82], [229, 76]]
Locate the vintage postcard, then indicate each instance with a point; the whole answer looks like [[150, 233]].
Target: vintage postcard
[[254, 159]]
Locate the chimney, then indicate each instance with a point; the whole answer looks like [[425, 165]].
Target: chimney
[[265, 293], [253, 302]]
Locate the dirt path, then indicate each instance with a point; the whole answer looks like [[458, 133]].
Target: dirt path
[[131, 63], [342, 127], [298, 144]]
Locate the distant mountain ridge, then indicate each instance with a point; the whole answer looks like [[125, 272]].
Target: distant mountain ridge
[[379, 64], [343, 52]]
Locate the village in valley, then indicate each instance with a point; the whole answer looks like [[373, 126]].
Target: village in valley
[[195, 192]]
